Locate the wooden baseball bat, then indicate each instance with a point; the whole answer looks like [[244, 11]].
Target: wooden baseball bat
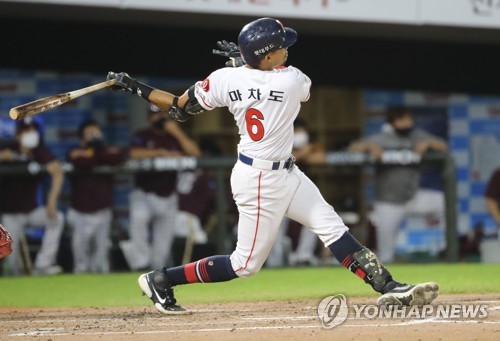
[[47, 103]]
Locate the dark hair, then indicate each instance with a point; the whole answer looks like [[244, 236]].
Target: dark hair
[[85, 124], [395, 113], [300, 123], [209, 147], [25, 124]]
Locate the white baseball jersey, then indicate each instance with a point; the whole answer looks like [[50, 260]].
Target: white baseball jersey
[[264, 105]]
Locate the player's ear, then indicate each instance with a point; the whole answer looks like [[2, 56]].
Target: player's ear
[[266, 60]]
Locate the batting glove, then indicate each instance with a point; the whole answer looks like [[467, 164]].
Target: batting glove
[[231, 51], [125, 83]]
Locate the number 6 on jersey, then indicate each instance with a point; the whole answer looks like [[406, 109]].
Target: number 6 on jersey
[[255, 128]]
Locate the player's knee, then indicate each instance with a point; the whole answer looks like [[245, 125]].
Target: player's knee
[[138, 217], [60, 217], [248, 271], [243, 267], [56, 222]]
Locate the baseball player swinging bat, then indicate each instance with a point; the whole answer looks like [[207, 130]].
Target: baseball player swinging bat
[[33, 108]]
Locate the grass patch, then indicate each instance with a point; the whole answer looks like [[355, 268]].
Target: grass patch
[[120, 289]]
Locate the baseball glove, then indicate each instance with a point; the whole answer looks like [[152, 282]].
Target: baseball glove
[[231, 51], [5, 242]]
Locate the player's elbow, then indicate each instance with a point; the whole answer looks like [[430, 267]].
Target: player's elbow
[[55, 168]]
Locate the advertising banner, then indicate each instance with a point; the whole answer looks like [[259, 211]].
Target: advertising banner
[[469, 13]]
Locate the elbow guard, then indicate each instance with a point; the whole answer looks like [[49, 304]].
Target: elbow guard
[[191, 108]]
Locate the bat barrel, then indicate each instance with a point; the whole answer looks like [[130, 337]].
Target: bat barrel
[[41, 105]]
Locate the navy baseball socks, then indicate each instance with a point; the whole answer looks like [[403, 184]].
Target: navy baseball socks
[[158, 285], [365, 264]]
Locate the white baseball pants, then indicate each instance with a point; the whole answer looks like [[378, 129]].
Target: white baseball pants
[[388, 217], [91, 240], [46, 256], [263, 198], [151, 249]]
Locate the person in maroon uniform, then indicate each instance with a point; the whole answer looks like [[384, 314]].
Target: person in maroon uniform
[[154, 200], [19, 199], [196, 192], [90, 212], [492, 196]]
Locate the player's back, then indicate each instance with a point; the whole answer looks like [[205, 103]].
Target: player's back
[[264, 105]]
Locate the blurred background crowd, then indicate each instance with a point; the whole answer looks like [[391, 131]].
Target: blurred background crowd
[[401, 132]]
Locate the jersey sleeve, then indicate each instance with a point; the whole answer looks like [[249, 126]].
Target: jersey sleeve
[[376, 139], [422, 135], [208, 91], [305, 82], [306, 88]]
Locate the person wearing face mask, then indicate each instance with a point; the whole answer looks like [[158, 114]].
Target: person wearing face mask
[[90, 213], [154, 201], [20, 195], [307, 153], [397, 192]]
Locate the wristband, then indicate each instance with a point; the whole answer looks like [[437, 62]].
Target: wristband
[[141, 89]]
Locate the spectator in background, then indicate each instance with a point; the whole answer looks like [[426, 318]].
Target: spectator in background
[[307, 153], [492, 197], [397, 192], [19, 199], [153, 199], [90, 212], [196, 193]]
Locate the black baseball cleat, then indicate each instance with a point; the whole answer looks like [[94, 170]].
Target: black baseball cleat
[[406, 294], [156, 286]]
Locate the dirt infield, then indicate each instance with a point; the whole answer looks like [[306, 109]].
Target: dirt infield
[[290, 320]]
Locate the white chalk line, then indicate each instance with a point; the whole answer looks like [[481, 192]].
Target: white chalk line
[[49, 331], [86, 319], [274, 318], [202, 330], [61, 331], [194, 311], [153, 321]]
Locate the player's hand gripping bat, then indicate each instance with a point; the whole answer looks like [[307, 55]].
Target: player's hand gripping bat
[[47, 103]]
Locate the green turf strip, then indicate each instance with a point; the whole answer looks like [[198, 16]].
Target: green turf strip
[[120, 289]]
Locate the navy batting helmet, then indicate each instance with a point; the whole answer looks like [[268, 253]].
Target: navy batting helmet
[[262, 36]]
